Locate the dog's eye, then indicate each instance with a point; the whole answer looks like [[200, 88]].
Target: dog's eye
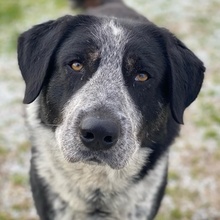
[[142, 77], [76, 66]]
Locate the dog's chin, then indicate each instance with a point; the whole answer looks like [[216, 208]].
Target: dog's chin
[[94, 161]]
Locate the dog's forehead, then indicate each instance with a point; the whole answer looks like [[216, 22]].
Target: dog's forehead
[[118, 38], [111, 38], [112, 28], [104, 38], [111, 33]]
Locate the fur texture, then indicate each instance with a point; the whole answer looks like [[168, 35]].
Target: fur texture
[[117, 48]]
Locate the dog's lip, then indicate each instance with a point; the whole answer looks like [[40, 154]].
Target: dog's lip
[[95, 159], [87, 157]]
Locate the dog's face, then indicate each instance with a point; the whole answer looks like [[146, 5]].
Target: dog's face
[[107, 88]]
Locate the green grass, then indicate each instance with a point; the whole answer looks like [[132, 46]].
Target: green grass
[[178, 195], [19, 180], [212, 134], [17, 16], [175, 214], [172, 175], [3, 151], [10, 11], [24, 205], [5, 216], [24, 147], [208, 116]]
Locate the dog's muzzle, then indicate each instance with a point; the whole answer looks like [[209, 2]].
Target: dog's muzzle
[[103, 137]]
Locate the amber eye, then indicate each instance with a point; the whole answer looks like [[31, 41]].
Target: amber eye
[[76, 66], [141, 77]]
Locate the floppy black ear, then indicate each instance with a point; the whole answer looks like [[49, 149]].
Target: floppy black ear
[[35, 51], [186, 76]]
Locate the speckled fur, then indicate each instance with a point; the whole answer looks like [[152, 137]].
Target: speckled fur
[[77, 183], [104, 94], [115, 45]]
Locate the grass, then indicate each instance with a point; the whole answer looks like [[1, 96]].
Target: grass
[[24, 147], [5, 216], [10, 11], [209, 119], [172, 175], [15, 15], [3, 151], [175, 214], [18, 179], [178, 195], [22, 206]]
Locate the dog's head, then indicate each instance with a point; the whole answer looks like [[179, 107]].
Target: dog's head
[[107, 87]]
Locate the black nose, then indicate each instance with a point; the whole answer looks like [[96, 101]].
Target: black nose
[[99, 134]]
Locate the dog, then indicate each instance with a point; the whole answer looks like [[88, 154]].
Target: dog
[[105, 92]]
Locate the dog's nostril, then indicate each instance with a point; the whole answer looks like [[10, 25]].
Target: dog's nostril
[[88, 135], [108, 139]]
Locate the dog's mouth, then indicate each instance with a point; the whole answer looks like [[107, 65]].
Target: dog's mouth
[[101, 158], [94, 161]]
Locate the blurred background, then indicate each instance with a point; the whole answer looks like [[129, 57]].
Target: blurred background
[[193, 191]]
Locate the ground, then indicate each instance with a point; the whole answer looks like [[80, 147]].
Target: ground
[[194, 180]]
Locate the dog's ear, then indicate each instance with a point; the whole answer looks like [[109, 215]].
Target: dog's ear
[[186, 73], [36, 49]]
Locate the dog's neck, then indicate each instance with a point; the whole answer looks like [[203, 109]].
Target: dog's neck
[[107, 194]]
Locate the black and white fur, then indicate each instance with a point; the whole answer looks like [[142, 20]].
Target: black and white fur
[[114, 43]]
